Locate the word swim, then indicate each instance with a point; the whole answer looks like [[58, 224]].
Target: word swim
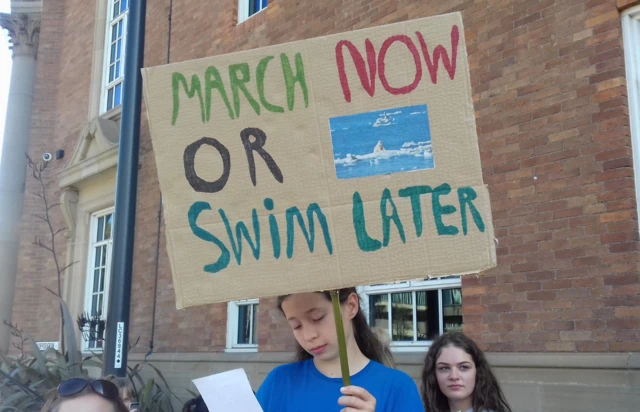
[[316, 221]]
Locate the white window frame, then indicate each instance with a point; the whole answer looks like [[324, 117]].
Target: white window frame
[[410, 286], [243, 10], [105, 84], [232, 326], [631, 38], [93, 228]]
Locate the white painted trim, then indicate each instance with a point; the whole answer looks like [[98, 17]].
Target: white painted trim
[[631, 38], [243, 10], [104, 84], [89, 270], [409, 286], [232, 327]]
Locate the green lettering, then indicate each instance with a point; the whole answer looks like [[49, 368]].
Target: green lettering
[[177, 80], [260, 72], [466, 196], [241, 230], [439, 210], [309, 235], [239, 84], [386, 219], [290, 79], [414, 192], [223, 260], [365, 242], [212, 80]]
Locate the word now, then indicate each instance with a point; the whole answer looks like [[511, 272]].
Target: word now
[[294, 217], [239, 78], [377, 65]]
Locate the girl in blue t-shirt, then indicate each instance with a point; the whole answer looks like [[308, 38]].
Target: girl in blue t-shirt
[[314, 384], [457, 377]]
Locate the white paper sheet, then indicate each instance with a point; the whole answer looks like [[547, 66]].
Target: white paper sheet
[[228, 392]]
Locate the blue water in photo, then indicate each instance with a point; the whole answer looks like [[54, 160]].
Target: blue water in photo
[[382, 142]]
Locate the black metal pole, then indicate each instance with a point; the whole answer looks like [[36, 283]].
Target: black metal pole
[[117, 339]]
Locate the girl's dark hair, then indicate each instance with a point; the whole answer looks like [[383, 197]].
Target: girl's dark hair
[[487, 395], [195, 405], [366, 339]]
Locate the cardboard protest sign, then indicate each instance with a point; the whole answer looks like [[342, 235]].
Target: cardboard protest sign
[[332, 162]]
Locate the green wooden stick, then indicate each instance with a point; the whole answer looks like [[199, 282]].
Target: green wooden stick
[[342, 344]]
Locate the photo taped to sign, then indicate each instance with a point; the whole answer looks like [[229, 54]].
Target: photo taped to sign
[[331, 162]]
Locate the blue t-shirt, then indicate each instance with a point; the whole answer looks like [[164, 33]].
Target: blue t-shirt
[[300, 387]]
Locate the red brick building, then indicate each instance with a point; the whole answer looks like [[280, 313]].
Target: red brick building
[[556, 86]]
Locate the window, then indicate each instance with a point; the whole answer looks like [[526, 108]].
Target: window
[[414, 313], [631, 36], [241, 326], [113, 74], [247, 8], [98, 277]]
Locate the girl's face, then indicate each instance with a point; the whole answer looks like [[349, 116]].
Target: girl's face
[[310, 315], [88, 402], [456, 374]]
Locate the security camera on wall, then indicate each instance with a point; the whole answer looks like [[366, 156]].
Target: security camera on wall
[[47, 157]]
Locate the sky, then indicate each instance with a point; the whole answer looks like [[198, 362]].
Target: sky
[[5, 71]]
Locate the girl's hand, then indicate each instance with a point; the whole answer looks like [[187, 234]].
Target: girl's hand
[[357, 399]]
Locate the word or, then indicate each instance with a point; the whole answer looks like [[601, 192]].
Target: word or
[[239, 78], [368, 79], [257, 145]]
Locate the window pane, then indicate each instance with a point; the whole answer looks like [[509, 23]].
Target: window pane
[[125, 3], [100, 229], [427, 315], [379, 312], [452, 309], [94, 305], [100, 304], [103, 272], [110, 99], [107, 228], [264, 3], [113, 54], [116, 8], [120, 29], [119, 49], [117, 71], [114, 33], [104, 255], [402, 316], [243, 324], [98, 257], [118, 98], [254, 332], [96, 280]]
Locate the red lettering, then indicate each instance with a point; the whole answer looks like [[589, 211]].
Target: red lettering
[[369, 84], [440, 52], [416, 58]]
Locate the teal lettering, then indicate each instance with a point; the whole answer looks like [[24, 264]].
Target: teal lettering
[[223, 260], [466, 196], [439, 210], [386, 219], [290, 79], [414, 193], [212, 80], [365, 242], [273, 227], [241, 230], [177, 80], [309, 235], [260, 72], [238, 84]]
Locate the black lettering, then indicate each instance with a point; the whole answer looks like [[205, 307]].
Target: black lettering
[[196, 182], [258, 146]]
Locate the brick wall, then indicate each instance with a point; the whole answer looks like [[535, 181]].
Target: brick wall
[[549, 89]]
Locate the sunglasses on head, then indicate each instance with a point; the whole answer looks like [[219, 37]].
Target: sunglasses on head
[[101, 387]]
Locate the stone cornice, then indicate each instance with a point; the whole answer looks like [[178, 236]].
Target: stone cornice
[[24, 33]]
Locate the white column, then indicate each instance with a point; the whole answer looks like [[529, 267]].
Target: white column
[[24, 31]]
